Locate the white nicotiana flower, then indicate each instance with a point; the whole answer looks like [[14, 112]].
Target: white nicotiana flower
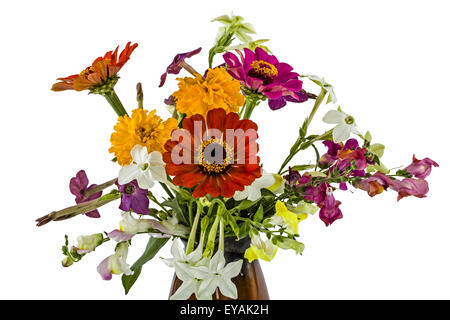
[[345, 125], [217, 274], [325, 86], [116, 263], [145, 168], [253, 191], [186, 270]]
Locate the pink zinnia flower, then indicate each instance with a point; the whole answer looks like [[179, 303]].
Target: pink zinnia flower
[[263, 73]]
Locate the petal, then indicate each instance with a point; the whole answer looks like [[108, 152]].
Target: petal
[[228, 288], [104, 268], [128, 173], [139, 154], [185, 290], [334, 117], [120, 236], [145, 180], [232, 269], [341, 132]]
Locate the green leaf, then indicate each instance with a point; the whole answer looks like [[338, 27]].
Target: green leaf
[[368, 137], [232, 223], [175, 205], [259, 215], [114, 194], [303, 167], [245, 204], [377, 149], [287, 243], [153, 246]]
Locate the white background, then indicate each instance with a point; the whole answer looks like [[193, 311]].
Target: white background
[[387, 59]]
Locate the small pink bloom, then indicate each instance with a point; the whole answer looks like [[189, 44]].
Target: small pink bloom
[[329, 209], [410, 187], [421, 168]]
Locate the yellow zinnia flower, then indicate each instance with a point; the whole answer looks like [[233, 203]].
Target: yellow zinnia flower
[[217, 90], [143, 128]]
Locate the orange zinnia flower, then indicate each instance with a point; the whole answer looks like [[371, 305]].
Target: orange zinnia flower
[[101, 75], [214, 159]]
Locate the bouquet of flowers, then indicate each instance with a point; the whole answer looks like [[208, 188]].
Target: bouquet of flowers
[[204, 158]]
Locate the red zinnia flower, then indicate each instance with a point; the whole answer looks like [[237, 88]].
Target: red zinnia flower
[[102, 72], [212, 155]]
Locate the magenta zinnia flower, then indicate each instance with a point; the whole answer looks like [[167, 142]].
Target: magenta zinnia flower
[[78, 187], [262, 73]]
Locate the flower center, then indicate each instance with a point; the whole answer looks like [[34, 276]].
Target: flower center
[[215, 156], [86, 72], [129, 189], [349, 120], [144, 134], [263, 70]]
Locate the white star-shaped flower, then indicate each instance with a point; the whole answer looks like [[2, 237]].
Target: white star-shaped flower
[[253, 191], [145, 168], [345, 125]]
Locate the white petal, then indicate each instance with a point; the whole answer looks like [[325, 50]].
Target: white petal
[[355, 130], [240, 195], [208, 286], [341, 132], [145, 180], [128, 173], [228, 288], [177, 250], [334, 117], [185, 290], [232, 269], [139, 154], [156, 157], [183, 271], [158, 173]]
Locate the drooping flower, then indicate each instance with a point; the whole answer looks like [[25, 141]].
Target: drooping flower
[[176, 65], [102, 74], [253, 191], [79, 186], [129, 227], [410, 187], [116, 263], [260, 249], [134, 198], [375, 184], [280, 102], [316, 194], [263, 73], [345, 125], [88, 244], [143, 128], [218, 156], [199, 95], [286, 219], [329, 209], [345, 156], [145, 168], [421, 168], [218, 274]]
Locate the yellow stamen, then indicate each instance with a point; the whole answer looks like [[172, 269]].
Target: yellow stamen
[[214, 167], [264, 68]]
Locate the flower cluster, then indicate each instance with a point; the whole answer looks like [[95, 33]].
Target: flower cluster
[[205, 158]]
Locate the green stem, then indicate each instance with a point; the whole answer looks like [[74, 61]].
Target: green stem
[[169, 193], [222, 236], [115, 102], [212, 234], [191, 240], [296, 146], [249, 106]]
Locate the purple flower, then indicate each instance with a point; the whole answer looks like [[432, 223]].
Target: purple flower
[[175, 67], [410, 187], [78, 187], [316, 194], [293, 177], [134, 198], [329, 209], [375, 184], [421, 168], [262, 73], [280, 102]]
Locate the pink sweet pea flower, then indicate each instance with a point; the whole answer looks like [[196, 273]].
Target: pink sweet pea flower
[[421, 168], [329, 209], [410, 187], [375, 184]]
